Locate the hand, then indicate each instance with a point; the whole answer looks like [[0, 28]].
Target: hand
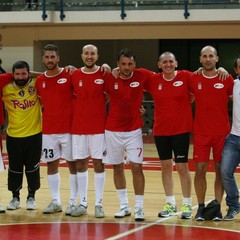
[[222, 73], [142, 110], [115, 72], [105, 68], [70, 69]]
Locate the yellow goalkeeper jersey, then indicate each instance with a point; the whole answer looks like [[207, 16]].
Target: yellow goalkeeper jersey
[[23, 109]]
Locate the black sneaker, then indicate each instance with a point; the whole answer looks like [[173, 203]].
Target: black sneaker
[[232, 212], [199, 216], [218, 217]]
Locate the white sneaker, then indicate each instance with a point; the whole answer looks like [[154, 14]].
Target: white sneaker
[[70, 209], [99, 213], [123, 212], [139, 214], [79, 210], [52, 208], [31, 204], [2, 210], [14, 204]]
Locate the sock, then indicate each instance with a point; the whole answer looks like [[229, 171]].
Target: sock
[[82, 181], [139, 201], [187, 201], [54, 185], [171, 199], [99, 180], [73, 188], [123, 197]]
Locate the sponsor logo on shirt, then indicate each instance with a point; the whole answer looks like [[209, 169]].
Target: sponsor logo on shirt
[[25, 104], [99, 81], [218, 85], [134, 84], [61, 80], [177, 83]]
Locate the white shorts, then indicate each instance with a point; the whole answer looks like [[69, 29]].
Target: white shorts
[[56, 146], [89, 145], [119, 143]]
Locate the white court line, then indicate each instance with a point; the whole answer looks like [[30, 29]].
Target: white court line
[[150, 225]]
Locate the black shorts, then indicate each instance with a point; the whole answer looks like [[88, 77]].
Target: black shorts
[[177, 144]]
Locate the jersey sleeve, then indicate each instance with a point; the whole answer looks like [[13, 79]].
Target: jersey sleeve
[[5, 78]]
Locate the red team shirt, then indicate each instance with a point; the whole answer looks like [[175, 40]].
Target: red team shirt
[[5, 78], [57, 100], [211, 99], [172, 107], [125, 101], [89, 115]]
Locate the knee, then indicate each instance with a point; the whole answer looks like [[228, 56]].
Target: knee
[[98, 166], [136, 169]]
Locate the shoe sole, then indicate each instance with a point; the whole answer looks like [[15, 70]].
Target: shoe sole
[[126, 215], [78, 215], [139, 219], [11, 209], [199, 219], [184, 217], [31, 209], [52, 212], [224, 219], [169, 215]]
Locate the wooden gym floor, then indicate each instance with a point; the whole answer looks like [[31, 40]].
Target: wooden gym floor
[[23, 224]]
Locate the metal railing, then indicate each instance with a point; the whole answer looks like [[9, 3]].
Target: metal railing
[[121, 5]]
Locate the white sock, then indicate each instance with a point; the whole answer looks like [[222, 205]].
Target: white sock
[[54, 185], [73, 188], [171, 199], [123, 197], [139, 201], [82, 181], [187, 201], [99, 180]]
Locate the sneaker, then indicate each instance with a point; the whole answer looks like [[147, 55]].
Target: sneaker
[[218, 217], [232, 212], [123, 212], [2, 210], [99, 213], [70, 209], [168, 210], [199, 216], [139, 214], [79, 210], [186, 211], [31, 204], [52, 208], [14, 204]]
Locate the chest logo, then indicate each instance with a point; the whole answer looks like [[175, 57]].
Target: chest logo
[[177, 83], [99, 81], [134, 84], [61, 80], [31, 90], [21, 93], [218, 85]]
